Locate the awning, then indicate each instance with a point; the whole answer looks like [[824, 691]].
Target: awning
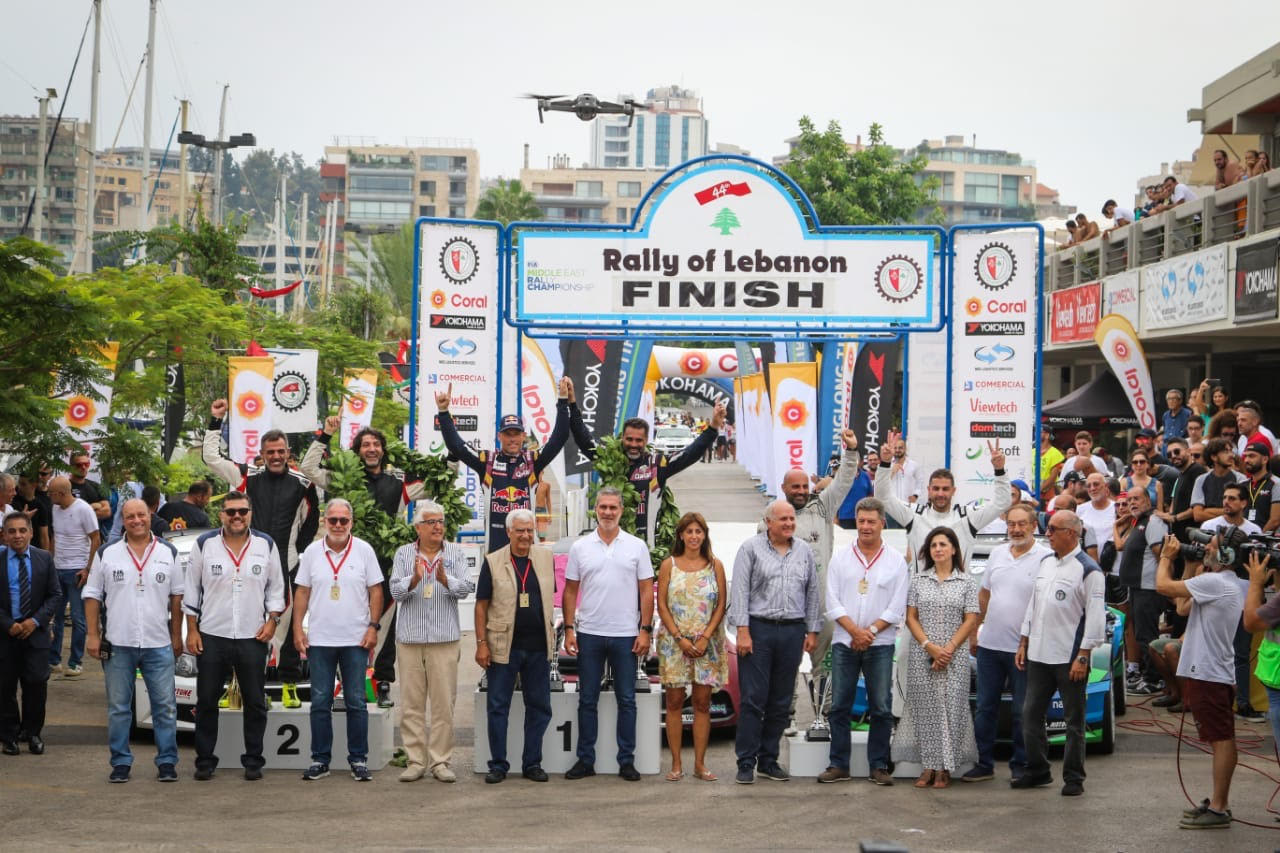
[[1098, 404]]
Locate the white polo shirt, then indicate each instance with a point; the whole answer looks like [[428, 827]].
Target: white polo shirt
[[135, 593], [339, 621], [608, 576], [887, 579], [230, 593], [1102, 522], [1010, 581], [72, 528]]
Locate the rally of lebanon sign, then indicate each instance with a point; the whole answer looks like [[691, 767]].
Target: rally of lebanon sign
[[1185, 290], [726, 244], [249, 407], [1119, 344], [1255, 282], [1074, 313], [993, 355]]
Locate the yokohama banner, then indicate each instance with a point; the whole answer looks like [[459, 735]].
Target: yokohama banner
[[1119, 344], [1074, 313], [358, 390], [994, 343], [871, 403], [794, 391], [594, 367], [249, 408], [1255, 282]]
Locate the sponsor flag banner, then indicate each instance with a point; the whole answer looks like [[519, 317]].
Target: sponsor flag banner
[[871, 395], [648, 403], [1185, 290], [794, 392], [762, 420], [175, 407], [1120, 296], [1074, 313], [993, 344], [83, 415], [538, 394], [832, 397], [1119, 344], [1255, 282], [293, 389], [249, 406], [595, 367], [458, 330], [359, 388]]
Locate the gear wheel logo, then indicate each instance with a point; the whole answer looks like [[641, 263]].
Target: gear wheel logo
[[898, 278], [995, 266], [459, 260], [291, 391]]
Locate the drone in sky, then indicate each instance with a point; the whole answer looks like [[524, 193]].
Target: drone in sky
[[586, 106]]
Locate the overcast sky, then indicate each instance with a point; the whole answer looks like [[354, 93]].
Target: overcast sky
[[1095, 93]]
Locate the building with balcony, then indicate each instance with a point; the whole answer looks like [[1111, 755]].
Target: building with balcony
[[670, 129], [600, 196], [979, 185], [66, 173], [118, 202]]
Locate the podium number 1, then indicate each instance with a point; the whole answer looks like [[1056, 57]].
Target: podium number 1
[[567, 728]]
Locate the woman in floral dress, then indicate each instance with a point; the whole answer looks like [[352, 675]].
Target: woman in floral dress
[[692, 596], [942, 611]]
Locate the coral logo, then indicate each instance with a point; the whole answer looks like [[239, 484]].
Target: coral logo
[[80, 412], [250, 405], [437, 299], [793, 414], [694, 363], [973, 306], [1121, 349], [356, 403]]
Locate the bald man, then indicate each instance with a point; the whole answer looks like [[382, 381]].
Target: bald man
[[75, 541]]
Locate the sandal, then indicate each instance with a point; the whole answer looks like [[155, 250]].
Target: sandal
[[943, 779], [675, 776], [925, 780], [705, 776]]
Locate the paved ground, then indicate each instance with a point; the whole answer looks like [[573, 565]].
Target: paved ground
[[1132, 800]]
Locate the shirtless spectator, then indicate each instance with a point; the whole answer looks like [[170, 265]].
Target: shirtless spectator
[[1085, 230], [1228, 171], [1174, 194], [1119, 216]]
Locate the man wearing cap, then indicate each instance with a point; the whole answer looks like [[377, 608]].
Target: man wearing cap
[[1145, 441], [1263, 495], [511, 473]]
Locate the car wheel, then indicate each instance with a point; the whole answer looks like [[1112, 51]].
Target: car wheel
[[1107, 745]]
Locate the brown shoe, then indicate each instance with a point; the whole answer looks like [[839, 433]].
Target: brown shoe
[[834, 774], [880, 776], [925, 780], [943, 779]]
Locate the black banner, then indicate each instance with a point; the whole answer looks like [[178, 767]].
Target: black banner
[[709, 391], [175, 408], [871, 404], [594, 367], [1255, 289]]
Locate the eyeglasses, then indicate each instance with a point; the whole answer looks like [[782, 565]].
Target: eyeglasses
[[236, 510], [1197, 455], [1056, 528], [433, 522], [339, 520]]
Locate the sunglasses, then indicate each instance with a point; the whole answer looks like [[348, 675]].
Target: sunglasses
[[337, 520], [236, 510], [1196, 455]]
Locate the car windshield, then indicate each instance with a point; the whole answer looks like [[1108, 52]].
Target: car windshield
[[674, 432]]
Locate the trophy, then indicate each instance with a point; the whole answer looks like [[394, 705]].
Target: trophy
[[557, 682], [819, 730], [484, 681], [642, 677]]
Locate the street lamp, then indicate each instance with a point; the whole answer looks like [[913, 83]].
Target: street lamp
[[237, 140]]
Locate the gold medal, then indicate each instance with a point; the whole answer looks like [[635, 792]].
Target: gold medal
[[524, 599], [335, 592], [863, 586], [428, 588]]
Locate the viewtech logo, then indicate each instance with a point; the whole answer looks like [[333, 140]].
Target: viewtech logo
[[469, 322], [459, 260], [993, 429], [995, 327], [898, 278]]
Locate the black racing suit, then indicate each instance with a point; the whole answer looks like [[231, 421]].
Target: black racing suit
[[651, 471], [510, 480]]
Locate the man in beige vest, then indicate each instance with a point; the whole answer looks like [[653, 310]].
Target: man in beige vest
[[514, 636]]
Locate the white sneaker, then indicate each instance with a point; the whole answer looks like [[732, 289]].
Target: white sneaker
[[413, 773], [443, 773], [791, 730], [73, 672], [55, 669]]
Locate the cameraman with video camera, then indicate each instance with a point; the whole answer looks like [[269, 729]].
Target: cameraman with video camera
[[1265, 617]]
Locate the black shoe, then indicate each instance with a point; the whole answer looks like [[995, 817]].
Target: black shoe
[[384, 695], [493, 777], [580, 770], [167, 773], [35, 745], [629, 772], [534, 774], [746, 776], [203, 774], [119, 773], [1027, 780], [1072, 789], [10, 747], [775, 772], [252, 774], [1247, 712]]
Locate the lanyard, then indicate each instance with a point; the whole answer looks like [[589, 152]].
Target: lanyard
[[346, 553], [1254, 493], [432, 567], [866, 567], [237, 560], [145, 557], [524, 578]]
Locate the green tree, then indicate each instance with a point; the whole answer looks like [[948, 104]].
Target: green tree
[[507, 202], [393, 272], [874, 186]]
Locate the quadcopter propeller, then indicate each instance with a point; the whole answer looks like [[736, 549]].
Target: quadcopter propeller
[[540, 97]]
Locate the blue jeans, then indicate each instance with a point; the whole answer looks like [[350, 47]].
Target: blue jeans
[[995, 668], [593, 651], [118, 673], [535, 684], [325, 662], [70, 591], [876, 665], [1273, 702], [766, 681]]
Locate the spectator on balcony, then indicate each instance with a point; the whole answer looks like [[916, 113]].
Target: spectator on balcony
[[1175, 193], [1261, 164], [1228, 171], [1073, 234], [1119, 216], [1153, 199], [1085, 230]]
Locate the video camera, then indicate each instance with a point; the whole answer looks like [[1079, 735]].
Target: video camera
[[1234, 547]]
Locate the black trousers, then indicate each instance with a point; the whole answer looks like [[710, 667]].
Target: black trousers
[[22, 664], [384, 665], [289, 664], [1042, 680], [248, 660], [1145, 607]]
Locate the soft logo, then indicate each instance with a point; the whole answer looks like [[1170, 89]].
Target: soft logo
[[250, 405], [437, 299], [80, 411], [973, 453], [793, 414], [993, 354], [694, 363]]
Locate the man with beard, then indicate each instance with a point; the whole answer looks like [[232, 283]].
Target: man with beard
[[904, 474], [1206, 496], [648, 469], [1263, 496], [1180, 516]]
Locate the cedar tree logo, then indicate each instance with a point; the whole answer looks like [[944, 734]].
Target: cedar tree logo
[[249, 405], [80, 412], [973, 306], [437, 299], [793, 414], [693, 363], [898, 278], [459, 260], [995, 266]]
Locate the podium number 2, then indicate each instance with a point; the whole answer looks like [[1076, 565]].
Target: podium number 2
[[290, 734], [567, 728]]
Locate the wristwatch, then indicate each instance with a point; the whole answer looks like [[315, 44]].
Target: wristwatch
[[874, 630], [648, 629], [1083, 660], [375, 626]]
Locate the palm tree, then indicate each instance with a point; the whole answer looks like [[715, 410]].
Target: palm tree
[[506, 202]]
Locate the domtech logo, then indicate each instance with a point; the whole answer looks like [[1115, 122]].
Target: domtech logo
[[459, 260], [995, 266], [993, 429], [898, 278]]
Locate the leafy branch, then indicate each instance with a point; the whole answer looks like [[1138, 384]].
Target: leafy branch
[[613, 469]]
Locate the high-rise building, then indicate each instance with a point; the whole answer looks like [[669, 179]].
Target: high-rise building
[[667, 129], [65, 173]]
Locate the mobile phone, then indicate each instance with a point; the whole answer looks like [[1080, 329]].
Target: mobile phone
[[1212, 382]]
